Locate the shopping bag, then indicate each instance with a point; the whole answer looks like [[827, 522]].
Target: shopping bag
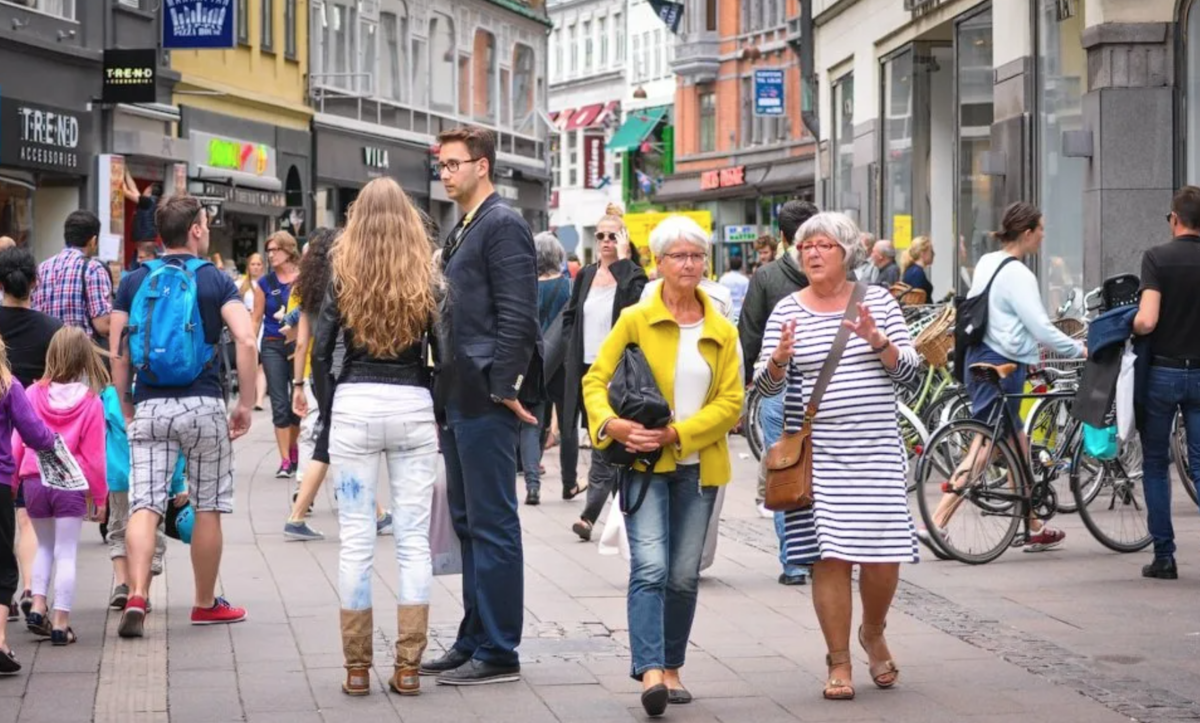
[[1125, 383], [444, 545], [713, 532], [59, 469], [614, 540], [1100, 443]]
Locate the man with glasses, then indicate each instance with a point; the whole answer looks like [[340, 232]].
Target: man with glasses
[[490, 372], [1169, 314], [166, 421]]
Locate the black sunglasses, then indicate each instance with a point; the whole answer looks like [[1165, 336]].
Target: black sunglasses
[[606, 236]]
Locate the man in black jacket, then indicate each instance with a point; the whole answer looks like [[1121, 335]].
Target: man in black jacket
[[490, 357]]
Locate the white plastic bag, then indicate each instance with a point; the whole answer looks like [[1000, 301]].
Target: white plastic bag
[[444, 546], [59, 470], [614, 540], [1125, 424]]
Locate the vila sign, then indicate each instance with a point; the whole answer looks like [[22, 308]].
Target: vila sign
[[198, 24], [129, 76], [724, 178], [43, 137], [593, 161], [375, 157]]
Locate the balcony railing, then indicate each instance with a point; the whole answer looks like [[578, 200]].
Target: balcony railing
[[697, 56]]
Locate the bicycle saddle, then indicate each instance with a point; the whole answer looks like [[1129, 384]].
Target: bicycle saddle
[[1001, 371]]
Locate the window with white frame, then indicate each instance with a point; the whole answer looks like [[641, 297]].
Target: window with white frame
[[587, 46], [619, 45], [523, 83], [708, 120], [646, 54], [392, 83], [60, 8], [442, 63], [658, 54], [368, 59], [289, 29], [602, 29], [637, 57], [571, 50], [341, 34], [556, 41]]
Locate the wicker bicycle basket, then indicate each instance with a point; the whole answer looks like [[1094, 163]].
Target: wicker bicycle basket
[[935, 341]]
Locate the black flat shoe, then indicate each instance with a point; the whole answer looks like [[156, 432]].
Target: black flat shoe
[[679, 696], [9, 665], [583, 529], [1161, 569], [451, 660], [655, 700], [477, 672], [533, 497], [38, 624]]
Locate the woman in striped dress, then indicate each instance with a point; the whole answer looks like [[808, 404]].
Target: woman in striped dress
[[859, 513]]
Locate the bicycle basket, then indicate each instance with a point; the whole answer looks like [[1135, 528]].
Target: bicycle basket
[[935, 341]]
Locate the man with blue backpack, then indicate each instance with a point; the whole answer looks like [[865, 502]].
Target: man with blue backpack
[[167, 321]]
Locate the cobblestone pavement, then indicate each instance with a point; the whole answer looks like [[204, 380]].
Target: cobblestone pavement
[[1072, 635]]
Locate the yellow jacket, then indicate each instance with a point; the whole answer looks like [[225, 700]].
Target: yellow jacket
[[651, 326]]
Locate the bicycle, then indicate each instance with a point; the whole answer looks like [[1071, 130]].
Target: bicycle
[[975, 474], [1179, 453]]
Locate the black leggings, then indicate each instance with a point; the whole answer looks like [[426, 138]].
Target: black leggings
[[10, 578], [278, 369]]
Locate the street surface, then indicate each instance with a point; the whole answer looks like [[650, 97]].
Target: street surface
[[1070, 635]]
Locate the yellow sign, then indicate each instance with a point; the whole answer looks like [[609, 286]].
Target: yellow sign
[[641, 224], [901, 232]]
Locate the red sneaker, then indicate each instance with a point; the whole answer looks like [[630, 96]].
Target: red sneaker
[[133, 619], [221, 613], [1046, 539]]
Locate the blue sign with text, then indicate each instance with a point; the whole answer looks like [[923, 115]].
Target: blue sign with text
[[768, 92], [192, 24]]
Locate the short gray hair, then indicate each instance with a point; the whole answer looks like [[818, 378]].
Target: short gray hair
[[550, 253], [836, 226], [885, 248], [678, 228]]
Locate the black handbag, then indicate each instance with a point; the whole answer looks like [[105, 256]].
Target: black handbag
[[970, 322], [634, 395]]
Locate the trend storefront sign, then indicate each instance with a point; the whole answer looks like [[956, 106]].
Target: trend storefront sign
[[43, 137], [129, 75]]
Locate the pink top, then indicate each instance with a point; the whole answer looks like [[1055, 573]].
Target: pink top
[[77, 414]]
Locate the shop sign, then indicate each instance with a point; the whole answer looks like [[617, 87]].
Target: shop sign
[[741, 234], [724, 178], [244, 196], [129, 76], [38, 136], [508, 193], [230, 154], [768, 92], [375, 157], [198, 24], [593, 161]]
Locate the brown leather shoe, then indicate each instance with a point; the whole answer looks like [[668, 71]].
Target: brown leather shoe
[[412, 635], [357, 650]]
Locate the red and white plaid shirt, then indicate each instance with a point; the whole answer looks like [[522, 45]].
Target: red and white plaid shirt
[[60, 289]]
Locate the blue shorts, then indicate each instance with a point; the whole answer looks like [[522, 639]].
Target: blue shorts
[[984, 395]]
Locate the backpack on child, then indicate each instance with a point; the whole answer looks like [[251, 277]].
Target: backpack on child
[[166, 332]]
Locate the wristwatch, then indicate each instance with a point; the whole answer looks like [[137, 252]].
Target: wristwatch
[[299, 382], [883, 348]]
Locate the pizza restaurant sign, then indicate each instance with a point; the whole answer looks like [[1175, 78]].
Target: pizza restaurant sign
[[723, 178], [228, 154]]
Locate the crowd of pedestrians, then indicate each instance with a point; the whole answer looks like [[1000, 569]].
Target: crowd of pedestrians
[[386, 352]]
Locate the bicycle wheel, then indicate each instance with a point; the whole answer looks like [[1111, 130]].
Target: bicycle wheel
[[1048, 429], [915, 436], [754, 426], [951, 404], [1115, 514], [977, 503], [1180, 453]]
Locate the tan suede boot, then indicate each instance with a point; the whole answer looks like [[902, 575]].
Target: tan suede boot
[[412, 625], [357, 649]]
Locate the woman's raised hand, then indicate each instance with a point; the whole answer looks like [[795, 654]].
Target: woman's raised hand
[[787, 341]]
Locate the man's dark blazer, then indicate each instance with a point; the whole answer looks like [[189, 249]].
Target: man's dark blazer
[[491, 342]]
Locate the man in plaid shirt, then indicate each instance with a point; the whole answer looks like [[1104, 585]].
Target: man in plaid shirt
[[65, 290]]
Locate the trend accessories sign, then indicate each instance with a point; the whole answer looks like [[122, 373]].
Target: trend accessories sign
[[191, 24], [231, 154], [44, 137], [129, 76]]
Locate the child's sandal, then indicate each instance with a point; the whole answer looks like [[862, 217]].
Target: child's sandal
[[63, 637]]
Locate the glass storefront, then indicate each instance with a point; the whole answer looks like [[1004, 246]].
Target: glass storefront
[[975, 218], [843, 146], [16, 211], [1192, 93], [1061, 81], [898, 134]]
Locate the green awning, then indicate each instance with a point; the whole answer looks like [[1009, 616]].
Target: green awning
[[636, 127]]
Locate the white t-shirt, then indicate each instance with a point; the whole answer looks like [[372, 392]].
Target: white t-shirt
[[738, 284], [597, 320], [693, 377]]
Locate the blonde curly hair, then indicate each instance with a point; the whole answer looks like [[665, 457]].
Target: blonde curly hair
[[383, 279]]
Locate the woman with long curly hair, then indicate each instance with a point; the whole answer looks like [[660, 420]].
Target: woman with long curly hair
[[381, 306]]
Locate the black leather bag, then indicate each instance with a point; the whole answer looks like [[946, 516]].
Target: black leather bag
[[970, 322], [634, 395]]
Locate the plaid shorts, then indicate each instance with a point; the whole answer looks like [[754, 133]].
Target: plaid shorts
[[161, 429]]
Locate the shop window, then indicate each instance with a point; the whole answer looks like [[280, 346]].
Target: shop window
[[16, 211], [572, 55], [485, 76], [242, 19], [842, 145], [619, 45], [289, 29], [587, 46], [523, 84], [572, 159], [420, 73], [556, 41], [1192, 93], [603, 30], [442, 60], [708, 121], [974, 213], [266, 24], [898, 121], [392, 83]]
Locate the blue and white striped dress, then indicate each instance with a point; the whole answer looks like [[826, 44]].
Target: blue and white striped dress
[[860, 510]]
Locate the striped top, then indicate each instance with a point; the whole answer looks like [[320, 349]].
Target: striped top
[[860, 510]]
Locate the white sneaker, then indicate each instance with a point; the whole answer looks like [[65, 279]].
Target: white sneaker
[[764, 513]]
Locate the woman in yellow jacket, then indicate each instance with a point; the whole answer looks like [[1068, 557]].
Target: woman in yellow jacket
[[693, 353]]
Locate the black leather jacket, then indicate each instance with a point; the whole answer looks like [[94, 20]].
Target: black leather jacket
[[411, 367]]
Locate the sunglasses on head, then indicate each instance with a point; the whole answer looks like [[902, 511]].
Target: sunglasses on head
[[606, 236]]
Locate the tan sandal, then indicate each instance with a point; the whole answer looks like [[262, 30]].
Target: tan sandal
[[885, 674], [836, 688]]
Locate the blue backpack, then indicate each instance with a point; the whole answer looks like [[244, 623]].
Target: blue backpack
[[166, 332]]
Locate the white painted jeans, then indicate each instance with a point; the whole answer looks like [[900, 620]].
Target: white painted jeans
[[371, 422]]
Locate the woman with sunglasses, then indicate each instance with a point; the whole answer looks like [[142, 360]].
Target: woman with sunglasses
[[601, 292], [271, 295]]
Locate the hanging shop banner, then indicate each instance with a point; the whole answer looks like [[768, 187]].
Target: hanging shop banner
[[593, 161], [901, 231], [129, 76], [768, 92], [110, 177], [198, 24], [668, 12]]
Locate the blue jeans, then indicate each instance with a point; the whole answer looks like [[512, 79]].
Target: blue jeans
[[531, 449], [666, 542], [481, 487], [771, 411], [1168, 390]]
